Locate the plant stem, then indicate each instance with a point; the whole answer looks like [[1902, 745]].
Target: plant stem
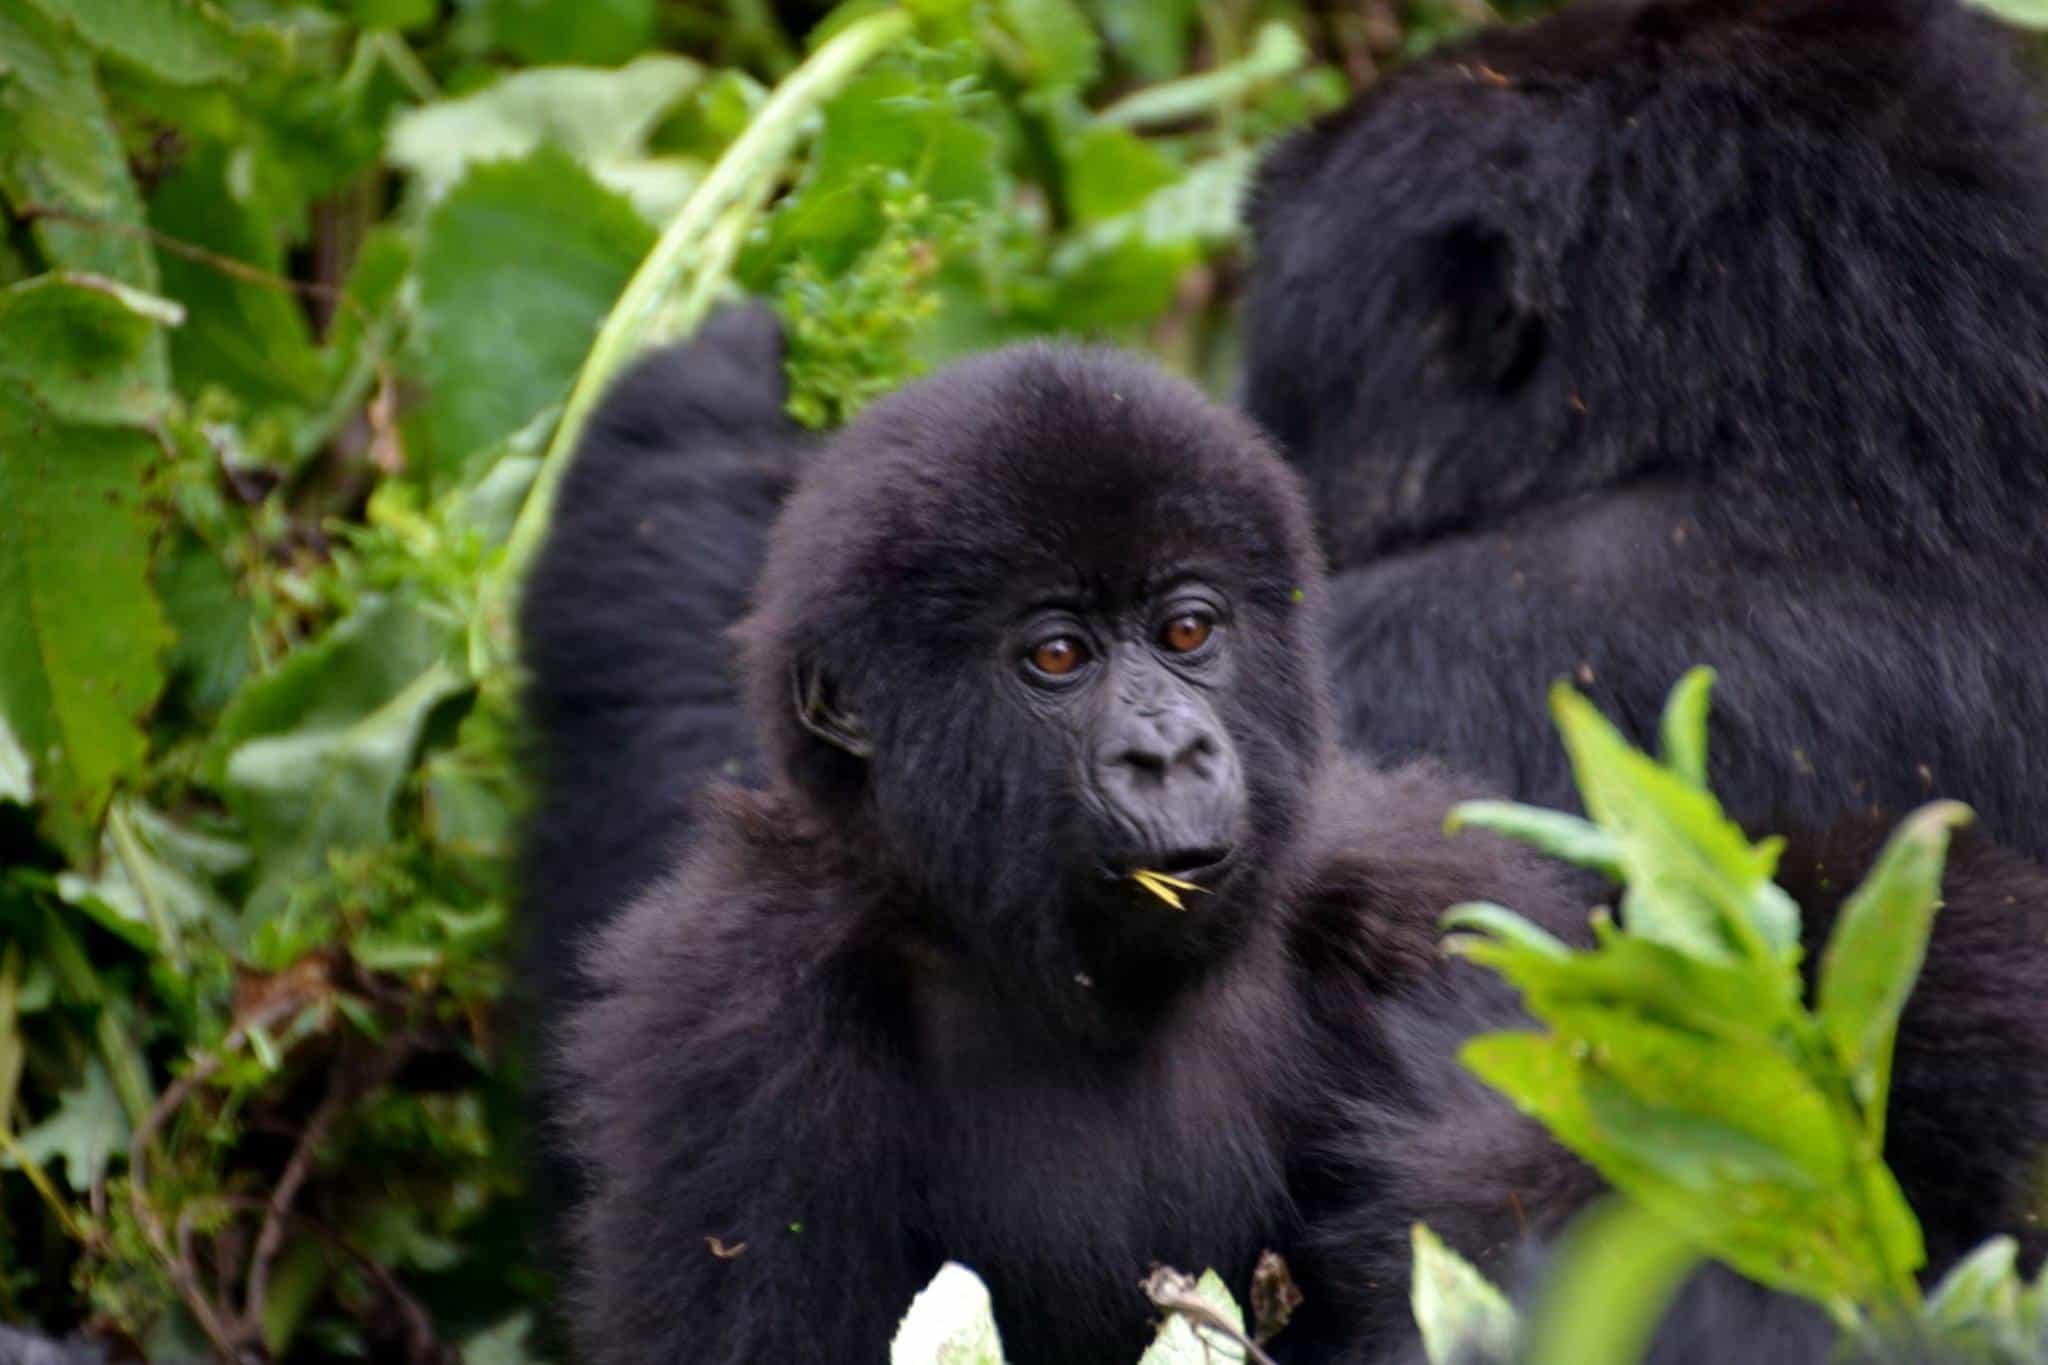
[[757, 153], [1277, 51]]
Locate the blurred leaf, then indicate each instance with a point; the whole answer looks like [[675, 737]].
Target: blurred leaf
[[89, 1128], [321, 745], [212, 624], [17, 781], [182, 41], [81, 635], [1982, 1287], [1460, 1313], [1056, 37], [1874, 955], [601, 118], [154, 880], [950, 1322], [59, 150], [1684, 727], [2031, 13], [1152, 36], [507, 1343], [1111, 171], [81, 344], [1580, 1318], [1179, 1343], [590, 32], [532, 252], [249, 338], [1553, 831]]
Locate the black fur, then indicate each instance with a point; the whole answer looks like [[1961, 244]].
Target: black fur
[[877, 1017], [1697, 331]]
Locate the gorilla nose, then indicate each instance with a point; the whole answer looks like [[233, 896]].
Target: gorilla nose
[[1158, 750]]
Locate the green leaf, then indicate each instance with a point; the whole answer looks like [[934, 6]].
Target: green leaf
[[1111, 171], [2028, 13], [180, 41], [1684, 727], [1982, 1288], [506, 1343], [88, 1130], [950, 1322], [1057, 41], [1152, 36], [1179, 1342], [154, 884], [590, 32], [59, 151], [212, 624], [17, 780], [320, 746], [1580, 1319], [1874, 955], [248, 338], [81, 635], [1560, 835], [1460, 1312], [601, 118], [532, 249], [82, 345]]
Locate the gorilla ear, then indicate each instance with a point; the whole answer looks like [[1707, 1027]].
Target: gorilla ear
[[1491, 331], [816, 712]]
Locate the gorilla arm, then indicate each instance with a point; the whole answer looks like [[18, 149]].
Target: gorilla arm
[[749, 1130]]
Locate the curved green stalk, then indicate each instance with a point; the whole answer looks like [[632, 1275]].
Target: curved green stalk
[[754, 156]]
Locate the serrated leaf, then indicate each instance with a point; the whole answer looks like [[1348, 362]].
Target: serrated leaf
[[1874, 955], [1461, 1314], [320, 746], [81, 635], [89, 1128], [1179, 1342], [180, 41], [59, 150], [599, 117], [81, 344], [950, 1322], [531, 251]]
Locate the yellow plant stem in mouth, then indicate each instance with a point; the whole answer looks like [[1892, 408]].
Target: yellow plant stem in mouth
[[1166, 888]]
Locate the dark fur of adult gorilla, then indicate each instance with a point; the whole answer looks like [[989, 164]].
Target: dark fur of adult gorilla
[[1697, 331], [1024, 627]]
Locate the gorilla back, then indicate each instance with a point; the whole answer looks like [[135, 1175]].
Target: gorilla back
[[1695, 331]]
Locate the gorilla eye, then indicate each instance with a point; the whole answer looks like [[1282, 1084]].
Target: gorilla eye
[[1188, 632], [1059, 656]]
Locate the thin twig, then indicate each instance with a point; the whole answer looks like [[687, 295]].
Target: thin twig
[[284, 1194]]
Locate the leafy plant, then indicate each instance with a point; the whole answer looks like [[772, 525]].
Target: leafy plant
[[1680, 1058]]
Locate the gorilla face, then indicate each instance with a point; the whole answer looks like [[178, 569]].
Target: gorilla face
[[1051, 622]]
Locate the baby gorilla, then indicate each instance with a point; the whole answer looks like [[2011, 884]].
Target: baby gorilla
[[1025, 629]]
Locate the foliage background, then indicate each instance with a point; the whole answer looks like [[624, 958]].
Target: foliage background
[[291, 297]]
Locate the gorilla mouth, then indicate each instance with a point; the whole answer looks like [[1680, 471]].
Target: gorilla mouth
[[1198, 865], [1196, 870]]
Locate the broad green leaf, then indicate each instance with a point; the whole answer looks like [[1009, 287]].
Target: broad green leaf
[[590, 32], [81, 635], [1111, 171], [1683, 731], [1151, 36], [248, 338], [181, 41], [1873, 956], [321, 745], [59, 150], [88, 1130], [1459, 1311], [950, 1322], [1580, 1319], [154, 883], [522, 261], [82, 345], [1562, 836], [601, 118], [1179, 1342], [1058, 43]]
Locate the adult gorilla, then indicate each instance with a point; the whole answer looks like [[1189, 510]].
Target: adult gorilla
[[1024, 629], [1693, 331]]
